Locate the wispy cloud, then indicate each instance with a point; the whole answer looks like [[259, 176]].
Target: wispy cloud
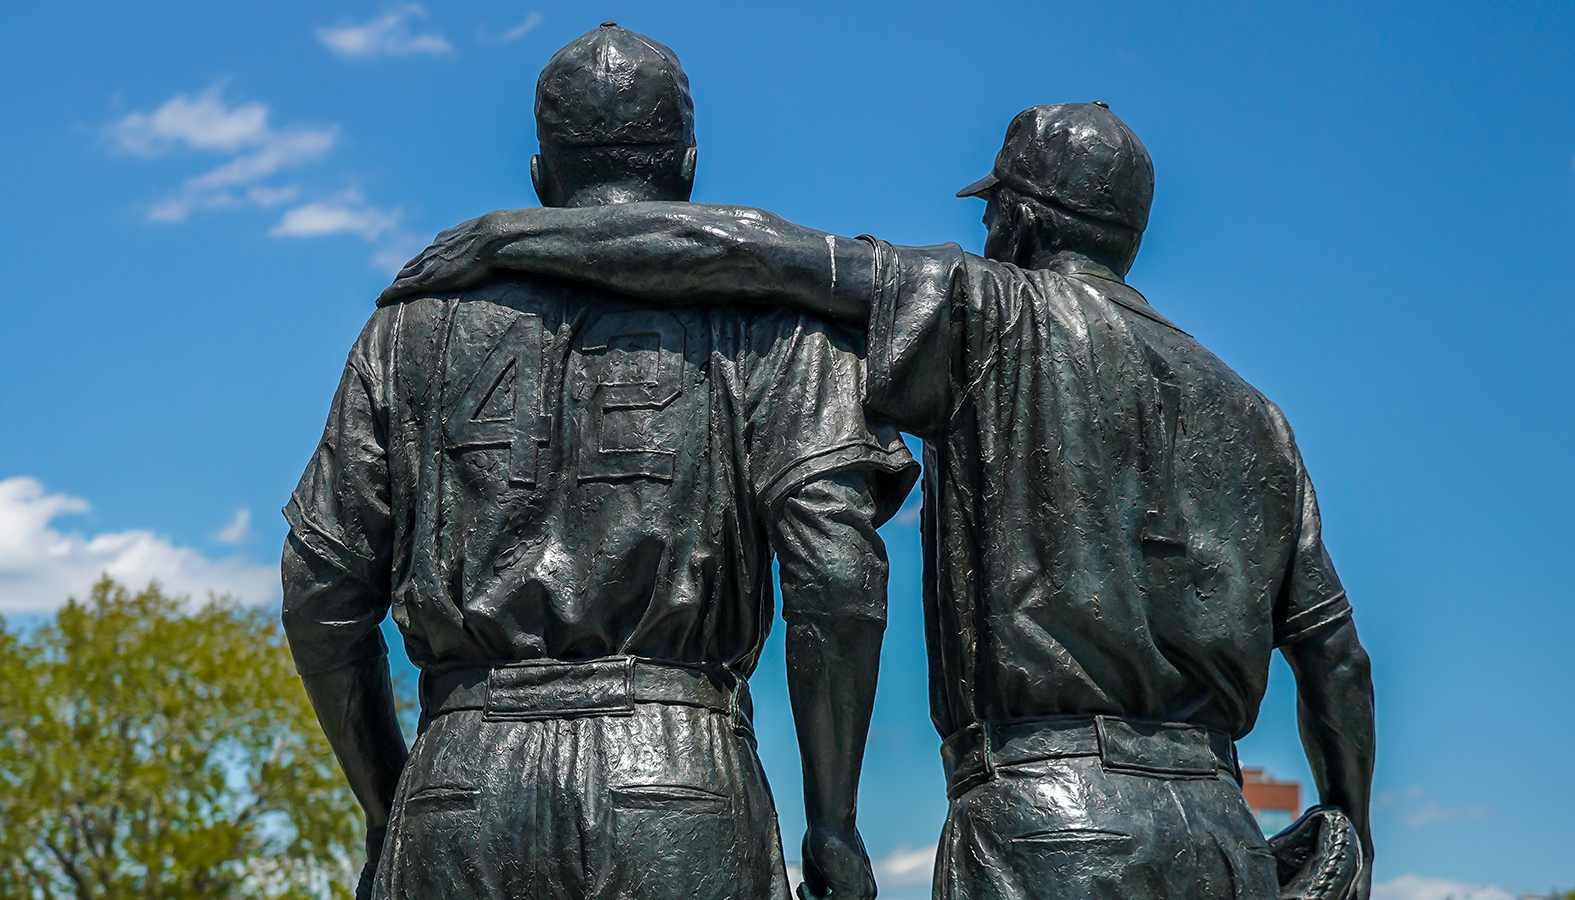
[[344, 213], [1415, 887], [386, 35], [1416, 809], [203, 122], [905, 867], [523, 28], [206, 123], [239, 529], [41, 565], [258, 152]]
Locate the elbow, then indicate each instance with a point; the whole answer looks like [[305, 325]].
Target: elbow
[[1332, 661], [1350, 658]]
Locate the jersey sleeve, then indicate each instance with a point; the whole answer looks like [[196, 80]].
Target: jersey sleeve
[[939, 318], [806, 419], [1311, 598], [915, 336], [833, 562], [336, 565]]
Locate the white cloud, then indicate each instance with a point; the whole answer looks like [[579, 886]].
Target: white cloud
[[258, 151], [206, 123], [239, 529], [202, 122], [523, 28], [1416, 809], [1415, 887], [343, 213], [904, 867], [386, 35], [40, 566]]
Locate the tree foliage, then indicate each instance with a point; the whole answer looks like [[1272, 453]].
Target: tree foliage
[[154, 749]]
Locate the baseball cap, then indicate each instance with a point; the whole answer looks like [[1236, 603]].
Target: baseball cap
[[1078, 156], [613, 87]]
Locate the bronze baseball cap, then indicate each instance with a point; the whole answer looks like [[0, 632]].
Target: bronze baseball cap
[[1077, 156], [613, 87]]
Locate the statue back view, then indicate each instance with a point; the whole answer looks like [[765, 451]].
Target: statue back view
[[570, 500]]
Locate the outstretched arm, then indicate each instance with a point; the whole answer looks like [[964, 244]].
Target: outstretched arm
[[833, 568], [657, 251], [1334, 692]]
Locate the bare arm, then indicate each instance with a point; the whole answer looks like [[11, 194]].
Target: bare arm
[[663, 252], [354, 703], [1334, 691], [833, 568]]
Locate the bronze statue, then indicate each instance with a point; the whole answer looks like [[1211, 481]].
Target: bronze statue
[[570, 500], [1118, 529]]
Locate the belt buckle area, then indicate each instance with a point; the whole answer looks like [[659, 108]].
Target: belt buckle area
[[1154, 748], [558, 690]]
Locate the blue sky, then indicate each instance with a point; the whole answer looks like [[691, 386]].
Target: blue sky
[[1367, 211]]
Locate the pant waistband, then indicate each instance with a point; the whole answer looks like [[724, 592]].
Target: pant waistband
[[1137, 746], [551, 689]]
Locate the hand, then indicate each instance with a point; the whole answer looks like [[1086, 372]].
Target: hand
[[836, 867], [457, 259], [374, 852]]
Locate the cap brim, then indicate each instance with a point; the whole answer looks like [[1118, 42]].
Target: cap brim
[[981, 187]]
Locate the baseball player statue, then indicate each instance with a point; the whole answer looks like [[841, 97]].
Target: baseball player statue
[[571, 500], [1118, 529]]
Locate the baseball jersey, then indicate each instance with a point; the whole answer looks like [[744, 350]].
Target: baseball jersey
[[539, 470], [1115, 523]]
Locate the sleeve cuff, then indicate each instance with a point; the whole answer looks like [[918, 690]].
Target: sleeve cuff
[[1312, 620]]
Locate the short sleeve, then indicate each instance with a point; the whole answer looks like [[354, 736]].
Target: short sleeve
[[833, 563], [806, 418], [1311, 598], [915, 335], [336, 565]]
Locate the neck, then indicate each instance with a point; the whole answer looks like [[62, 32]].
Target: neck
[[610, 194]]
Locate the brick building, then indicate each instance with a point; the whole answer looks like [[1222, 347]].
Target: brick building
[[1275, 803]]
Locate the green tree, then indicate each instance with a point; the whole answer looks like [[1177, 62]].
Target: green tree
[[150, 748]]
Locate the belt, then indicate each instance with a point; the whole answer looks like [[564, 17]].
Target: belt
[[1137, 746], [551, 689]]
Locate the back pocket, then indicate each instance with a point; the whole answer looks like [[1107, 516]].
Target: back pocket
[[1076, 862], [679, 841], [436, 847]]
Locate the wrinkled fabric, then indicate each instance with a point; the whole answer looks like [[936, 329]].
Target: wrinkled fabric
[[1115, 522], [1072, 829], [668, 803], [537, 470]]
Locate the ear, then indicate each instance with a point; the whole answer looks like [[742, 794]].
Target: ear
[[1027, 235], [535, 179], [684, 185]]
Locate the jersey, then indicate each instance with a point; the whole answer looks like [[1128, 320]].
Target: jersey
[[1115, 523], [539, 470]]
